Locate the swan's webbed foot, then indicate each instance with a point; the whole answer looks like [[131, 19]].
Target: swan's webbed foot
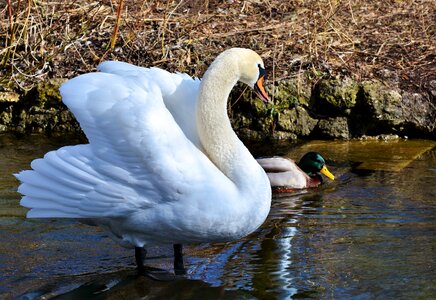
[[179, 268]]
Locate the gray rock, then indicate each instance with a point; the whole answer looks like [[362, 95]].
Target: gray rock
[[292, 92], [335, 97], [334, 108], [336, 128], [383, 103], [419, 113], [297, 121]]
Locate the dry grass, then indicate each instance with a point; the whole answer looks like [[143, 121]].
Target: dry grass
[[392, 39]]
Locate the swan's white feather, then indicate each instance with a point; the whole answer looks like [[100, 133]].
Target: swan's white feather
[[144, 175], [174, 88], [132, 150]]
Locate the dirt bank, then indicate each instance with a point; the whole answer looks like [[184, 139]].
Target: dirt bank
[[338, 69]]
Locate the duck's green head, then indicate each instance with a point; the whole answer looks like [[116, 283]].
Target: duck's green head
[[313, 163]]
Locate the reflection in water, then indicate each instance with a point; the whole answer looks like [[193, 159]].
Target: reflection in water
[[285, 261], [273, 279], [368, 234]]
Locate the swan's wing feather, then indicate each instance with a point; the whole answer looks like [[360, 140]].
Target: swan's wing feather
[[138, 155], [179, 92], [67, 183], [131, 128]]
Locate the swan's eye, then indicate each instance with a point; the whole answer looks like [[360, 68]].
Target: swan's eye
[[262, 72]]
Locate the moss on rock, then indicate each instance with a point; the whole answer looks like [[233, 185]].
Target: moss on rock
[[297, 121], [338, 95], [9, 97], [383, 103], [337, 109], [45, 94], [291, 93], [333, 128]]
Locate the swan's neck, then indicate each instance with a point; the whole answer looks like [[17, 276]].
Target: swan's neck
[[220, 142]]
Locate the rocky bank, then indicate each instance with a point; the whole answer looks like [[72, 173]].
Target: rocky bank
[[332, 108], [338, 109]]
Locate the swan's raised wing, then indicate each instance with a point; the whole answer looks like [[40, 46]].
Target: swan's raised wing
[[179, 92], [138, 156]]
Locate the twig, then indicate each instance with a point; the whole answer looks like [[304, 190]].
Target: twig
[[11, 21], [167, 16], [117, 25]]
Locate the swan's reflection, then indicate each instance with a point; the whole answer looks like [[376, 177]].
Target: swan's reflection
[[263, 262], [286, 210], [285, 261]]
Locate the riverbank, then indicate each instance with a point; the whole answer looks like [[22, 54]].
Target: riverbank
[[337, 70], [332, 110]]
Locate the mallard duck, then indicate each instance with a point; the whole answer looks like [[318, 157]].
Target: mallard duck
[[163, 164], [285, 174]]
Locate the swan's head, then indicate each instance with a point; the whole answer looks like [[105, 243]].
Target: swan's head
[[251, 69], [253, 73]]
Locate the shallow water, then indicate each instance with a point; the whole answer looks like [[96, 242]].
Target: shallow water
[[369, 234]]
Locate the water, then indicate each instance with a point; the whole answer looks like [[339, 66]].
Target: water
[[370, 234]]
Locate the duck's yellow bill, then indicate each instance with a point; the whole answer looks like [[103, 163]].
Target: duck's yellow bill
[[327, 173]]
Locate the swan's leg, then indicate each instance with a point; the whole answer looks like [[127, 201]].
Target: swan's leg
[[153, 273], [140, 254], [179, 268]]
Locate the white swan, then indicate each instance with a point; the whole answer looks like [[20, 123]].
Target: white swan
[[163, 165]]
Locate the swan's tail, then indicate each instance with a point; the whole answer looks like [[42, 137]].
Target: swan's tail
[[58, 184]]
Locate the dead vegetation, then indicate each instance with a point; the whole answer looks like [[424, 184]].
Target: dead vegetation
[[393, 40]]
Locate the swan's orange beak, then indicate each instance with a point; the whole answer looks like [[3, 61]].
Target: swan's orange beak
[[259, 88]]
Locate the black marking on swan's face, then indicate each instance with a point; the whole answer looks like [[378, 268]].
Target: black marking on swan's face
[[259, 88]]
